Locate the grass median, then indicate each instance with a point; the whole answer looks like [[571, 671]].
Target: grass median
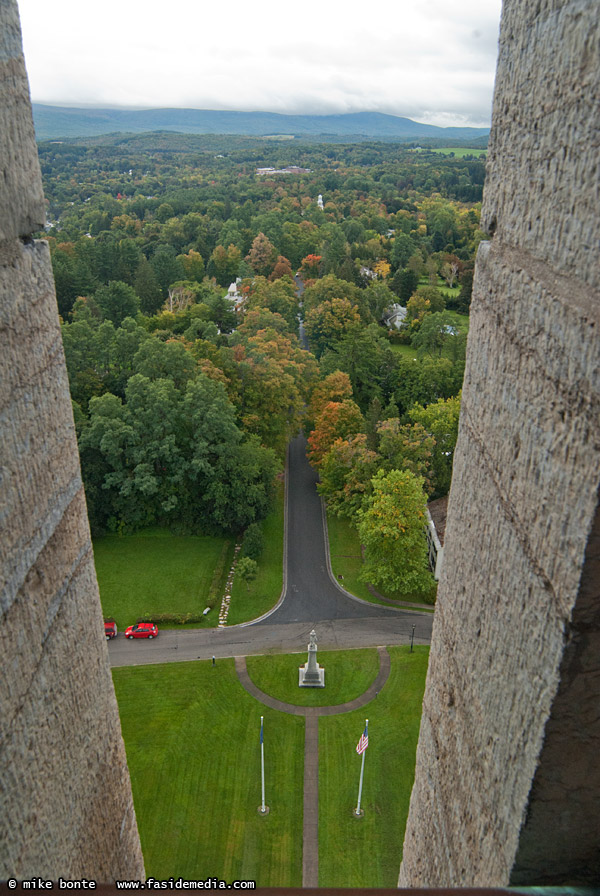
[[348, 674]]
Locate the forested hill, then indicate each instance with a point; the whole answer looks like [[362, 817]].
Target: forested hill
[[53, 122]]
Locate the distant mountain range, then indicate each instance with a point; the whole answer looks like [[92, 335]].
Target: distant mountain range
[[56, 122]]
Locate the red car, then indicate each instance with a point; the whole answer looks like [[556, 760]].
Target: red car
[[141, 630], [110, 630]]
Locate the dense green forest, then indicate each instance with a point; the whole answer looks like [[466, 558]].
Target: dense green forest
[[181, 274]]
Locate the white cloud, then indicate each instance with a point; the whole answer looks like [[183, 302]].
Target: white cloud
[[426, 59]]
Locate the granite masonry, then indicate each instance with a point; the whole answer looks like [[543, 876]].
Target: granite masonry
[[66, 808], [507, 782]]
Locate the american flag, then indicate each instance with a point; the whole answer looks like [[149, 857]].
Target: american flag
[[364, 740]]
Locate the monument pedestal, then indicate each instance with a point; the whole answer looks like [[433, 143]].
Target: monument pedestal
[[311, 675]]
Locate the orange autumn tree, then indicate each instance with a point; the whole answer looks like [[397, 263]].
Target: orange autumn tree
[[310, 267], [335, 387], [338, 420]]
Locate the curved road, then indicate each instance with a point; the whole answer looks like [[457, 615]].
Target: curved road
[[310, 599]]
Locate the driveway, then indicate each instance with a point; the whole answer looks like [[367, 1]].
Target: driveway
[[310, 599]]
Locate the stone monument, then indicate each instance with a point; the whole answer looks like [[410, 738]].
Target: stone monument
[[311, 675]]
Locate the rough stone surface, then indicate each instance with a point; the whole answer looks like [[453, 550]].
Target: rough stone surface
[[21, 194], [513, 685], [543, 184], [562, 816], [66, 807]]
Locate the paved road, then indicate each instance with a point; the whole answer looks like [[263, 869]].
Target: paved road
[[310, 599]]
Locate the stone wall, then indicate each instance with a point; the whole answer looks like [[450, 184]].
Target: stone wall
[[507, 779], [65, 798]]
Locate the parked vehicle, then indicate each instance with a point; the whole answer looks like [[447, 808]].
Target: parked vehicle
[[142, 630], [110, 630]]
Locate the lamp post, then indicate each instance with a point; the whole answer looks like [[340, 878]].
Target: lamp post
[[412, 637]]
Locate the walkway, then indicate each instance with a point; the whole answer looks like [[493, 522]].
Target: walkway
[[310, 836]]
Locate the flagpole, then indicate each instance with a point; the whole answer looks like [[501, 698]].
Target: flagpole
[[357, 811], [263, 809]]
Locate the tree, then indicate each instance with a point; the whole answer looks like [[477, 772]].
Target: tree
[[407, 447], [247, 570], [417, 308], [224, 264], [329, 322], [310, 267], [440, 419], [282, 268], [392, 530], [402, 249], [117, 301], [334, 249], [278, 296], [193, 265], [426, 381], [404, 284], [338, 420], [253, 541], [345, 475], [450, 269], [437, 301], [380, 297], [147, 287], [166, 267], [433, 334], [382, 268], [262, 256], [335, 387], [365, 355]]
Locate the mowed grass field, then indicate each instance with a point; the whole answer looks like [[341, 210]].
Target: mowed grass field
[[192, 739], [158, 573], [460, 152]]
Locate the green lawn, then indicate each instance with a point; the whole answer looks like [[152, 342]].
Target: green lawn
[[346, 561], [366, 852], [264, 592], [348, 674], [460, 152], [160, 573], [155, 572], [192, 739], [405, 351]]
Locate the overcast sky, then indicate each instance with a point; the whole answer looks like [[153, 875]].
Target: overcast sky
[[431, 60]]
